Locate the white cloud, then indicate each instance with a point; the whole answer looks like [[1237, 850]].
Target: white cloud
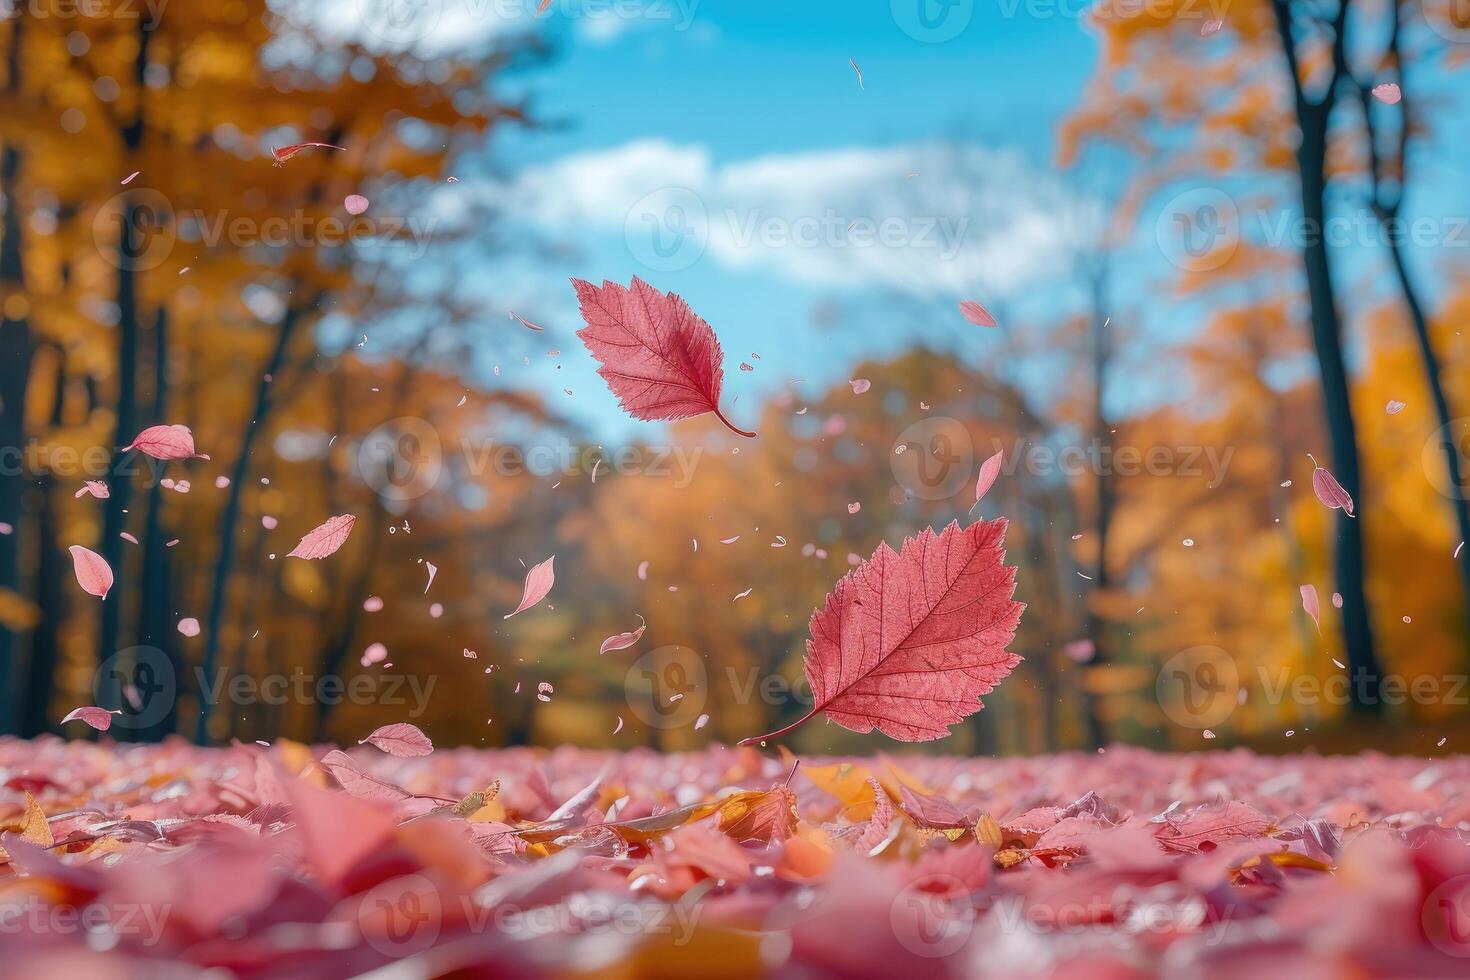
[[968, 218]]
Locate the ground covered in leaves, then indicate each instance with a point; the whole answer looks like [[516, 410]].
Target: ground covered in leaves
[[288, 861]]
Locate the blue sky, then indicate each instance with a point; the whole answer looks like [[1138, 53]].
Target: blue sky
[[756, 109]]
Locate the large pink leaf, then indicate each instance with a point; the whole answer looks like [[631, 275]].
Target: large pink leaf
[[909, 640], [402, 739], [166, 442], [93, 573], [539, 581], [660, 359], [325, 538]]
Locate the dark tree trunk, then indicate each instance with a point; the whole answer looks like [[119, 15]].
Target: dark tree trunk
[[51, 570], [1311, 154], [229, 539], [15, 372], [156, 626]]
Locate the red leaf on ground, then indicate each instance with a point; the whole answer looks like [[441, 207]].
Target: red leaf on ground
[[325, 538], [401, 739], [909, 640], [660, 359]]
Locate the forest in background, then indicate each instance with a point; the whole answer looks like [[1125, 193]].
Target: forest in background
[[322, 375]]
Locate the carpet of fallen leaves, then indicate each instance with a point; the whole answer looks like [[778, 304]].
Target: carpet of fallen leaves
[[289, 861]]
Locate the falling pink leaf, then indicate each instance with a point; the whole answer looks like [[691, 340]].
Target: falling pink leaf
[[131, 177], [539, 581], [859, 74], [401, 739], [433, 570], [989, 471], [376, 653], [98, 718], [1210, 27], [285, 153], [976, 314], [526, 323], [189, 626], [355, 204], [93, 573], [1337, 599], [1395, 407], [860, 385], [166, 442], [661, 360], [623, 641], [909, 640], [742, 595], [854, 507], [1388, 93], [127, 537], [1329, 491], [544, 691], [96, 488], [643, 571], [325, 538], [1311, 606]]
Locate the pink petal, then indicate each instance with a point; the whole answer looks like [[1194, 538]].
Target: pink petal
[[355, 204], [860, 385], [325, 538], [1394, 407], [401, 739], [96, 488], [189, 626], [165, 442], [989, 470], [622, 641], [539, 581], [98, 718], [976, 314], [1388, 93], [1311, 606], [375, 654], [93, 573]]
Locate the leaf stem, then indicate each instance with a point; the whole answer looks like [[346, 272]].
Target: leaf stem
[[779, 732], [731, 426]]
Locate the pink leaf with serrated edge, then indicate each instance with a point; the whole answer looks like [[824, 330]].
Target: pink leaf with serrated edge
[[909, 640], [989, 470], [976, 314], [98, 718], [539, 581], [325, 538], [1329, 491], [93, 573], [622, 641], [401, 739], [1311, 606], [166, 442], [660, 358]]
